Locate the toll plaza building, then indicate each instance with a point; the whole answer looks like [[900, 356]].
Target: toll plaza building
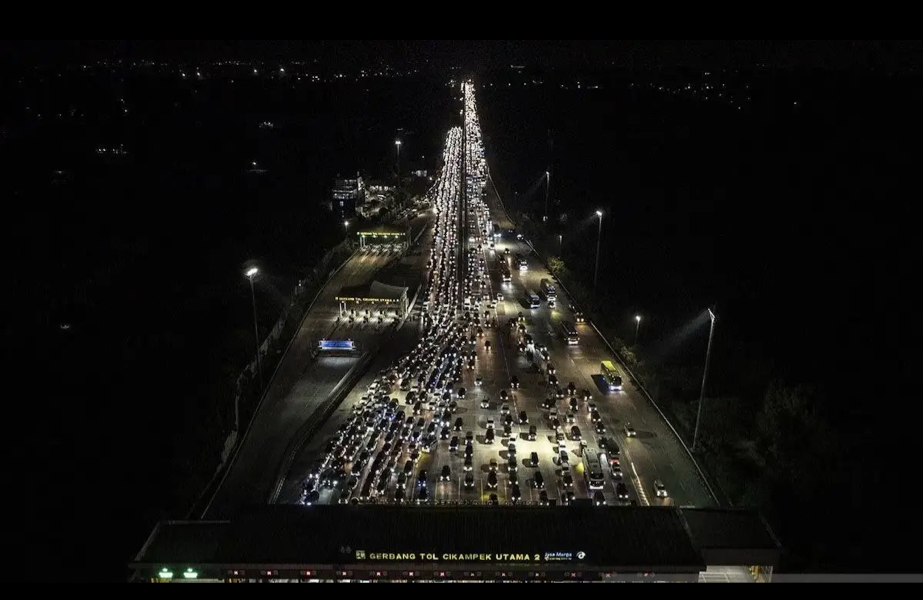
[[375, 301], [384, 237], [465, 544]]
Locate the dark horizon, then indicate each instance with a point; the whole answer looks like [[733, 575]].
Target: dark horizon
[[888, 55]]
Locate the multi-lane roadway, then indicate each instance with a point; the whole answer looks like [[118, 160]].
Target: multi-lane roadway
[[465, 415]]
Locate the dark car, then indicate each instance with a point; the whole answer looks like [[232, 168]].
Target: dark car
[[621, 490], [523, 418], [469, 481], [543, 499], [516, 495], [514, 383], [469, 464], [538, 481], [533, 433], [599, 499], [575, 433], [489, 437], [511, 464], [492, 480], [453, 445], [459, 423], [494, 500], [533, 460], [446, 474]]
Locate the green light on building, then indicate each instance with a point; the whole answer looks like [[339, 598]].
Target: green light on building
[[166, 574], [190, 574]]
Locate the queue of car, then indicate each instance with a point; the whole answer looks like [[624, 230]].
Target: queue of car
[[361, 460]]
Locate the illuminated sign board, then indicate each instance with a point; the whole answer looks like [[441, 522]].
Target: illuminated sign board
[[369, 300], [467, 557], [337, 345]]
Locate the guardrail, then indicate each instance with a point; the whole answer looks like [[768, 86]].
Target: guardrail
[[622, 362]]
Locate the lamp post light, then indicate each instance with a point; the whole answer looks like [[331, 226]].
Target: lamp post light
[[398, 145], [698, 420], [256, 328], [599, 244], [638, 329]]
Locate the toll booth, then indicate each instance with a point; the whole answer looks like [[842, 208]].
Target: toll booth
[[376, 302], [385, 238]]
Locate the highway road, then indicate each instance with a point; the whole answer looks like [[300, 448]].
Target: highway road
[[381, 424], [655, 454], [299, 387]]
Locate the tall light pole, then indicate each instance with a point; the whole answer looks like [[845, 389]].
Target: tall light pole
[[256, 328], [711, 338], [599, 245], [547, 191], [561, 243], [638, 329], [398, 144]]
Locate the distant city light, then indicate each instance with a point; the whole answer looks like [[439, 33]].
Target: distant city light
[[599, 213], [252, 272]]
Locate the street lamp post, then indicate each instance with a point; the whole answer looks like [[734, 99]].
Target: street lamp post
[[599, 245], [698, 420], [561, 243], [547, 191], [638, 329], [398, 144], [256, 328]]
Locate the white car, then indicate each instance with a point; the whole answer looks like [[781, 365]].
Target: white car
[[661, 490]]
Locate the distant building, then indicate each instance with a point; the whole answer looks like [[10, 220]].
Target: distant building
[[348, 196], [380, 187]]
